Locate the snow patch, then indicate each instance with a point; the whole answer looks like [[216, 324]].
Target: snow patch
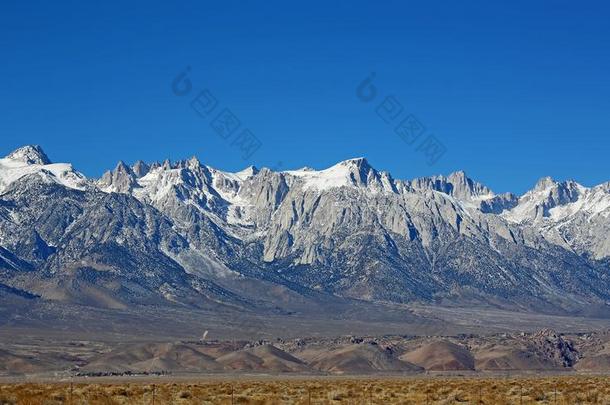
[[12, 170], [340, 175]]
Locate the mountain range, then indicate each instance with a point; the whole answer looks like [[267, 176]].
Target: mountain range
[[184, 234]]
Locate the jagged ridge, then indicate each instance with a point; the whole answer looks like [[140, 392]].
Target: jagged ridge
[[174, 231]]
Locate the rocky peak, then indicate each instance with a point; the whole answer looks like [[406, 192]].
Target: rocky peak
[[499, 203], [536, 204], [604, 187], [465, 187], [457, 185], [30, 154], [247, 172], [120, 180], [551, 193], [562, 192], [359, 162], [192, 164], [355, 172], [140, 168], [545, 183], [360, 171]]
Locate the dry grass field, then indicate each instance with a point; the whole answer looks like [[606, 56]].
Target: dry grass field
[[433, 390]]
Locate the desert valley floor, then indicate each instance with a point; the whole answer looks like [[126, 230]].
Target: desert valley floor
[[271, 391]]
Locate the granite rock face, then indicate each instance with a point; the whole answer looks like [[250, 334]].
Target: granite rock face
[[184, 233]]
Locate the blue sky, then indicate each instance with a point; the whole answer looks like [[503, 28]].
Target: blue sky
[[513, 90]]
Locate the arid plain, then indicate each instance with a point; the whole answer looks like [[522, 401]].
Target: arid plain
[[328, 390]]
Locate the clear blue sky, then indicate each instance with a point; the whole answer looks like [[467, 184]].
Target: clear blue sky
[[515, 90]]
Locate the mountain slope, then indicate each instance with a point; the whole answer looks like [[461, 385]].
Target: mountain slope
[[188, 234]]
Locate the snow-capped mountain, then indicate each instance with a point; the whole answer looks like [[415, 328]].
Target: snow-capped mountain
[[183, 233], [31, 160], [568, 214]]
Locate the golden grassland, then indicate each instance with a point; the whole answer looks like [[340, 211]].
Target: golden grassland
[[433, 390]]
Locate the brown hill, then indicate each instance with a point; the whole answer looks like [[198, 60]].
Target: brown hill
[[360, 359], [263, 358], [11, 363], [502, 358], [217, 349], [594, 363], [441, 356], [149, 357]]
